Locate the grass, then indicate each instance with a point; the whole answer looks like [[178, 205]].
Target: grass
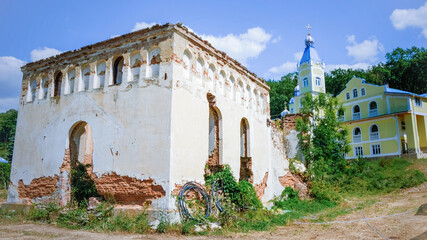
[[367, 181], [3, 194]]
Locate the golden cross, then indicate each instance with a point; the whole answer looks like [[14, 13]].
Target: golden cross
[[308, 28]]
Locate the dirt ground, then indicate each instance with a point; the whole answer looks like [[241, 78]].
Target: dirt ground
[[403, 226]]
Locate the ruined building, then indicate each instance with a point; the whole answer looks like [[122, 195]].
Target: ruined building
[[149, 110]]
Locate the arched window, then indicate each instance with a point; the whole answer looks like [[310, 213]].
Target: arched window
[[373, 132], [85, 78], [233, 87], [373, 109], [215, 133], [357, 135], [71, 81], [135, 66], [240, 91], [363, 92], [355, 95], [199, 67], [211, 73], [245, 159], [256, 100], [347, 96], [340, 115], [305, 82], [356, 112], [118, 70], [248, 95], [44, 87], [32, 90], [318, 81], [57, 84], [187, 65], [221, 80], [154, 61], [101, 69]]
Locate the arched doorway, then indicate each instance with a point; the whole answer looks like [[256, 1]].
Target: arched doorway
[[79, 168], [81, 144]]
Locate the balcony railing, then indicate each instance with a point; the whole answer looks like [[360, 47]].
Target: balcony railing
[[374, 136], [356, 116], [357, 138], [373, 112]]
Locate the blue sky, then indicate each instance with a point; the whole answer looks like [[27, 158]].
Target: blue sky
[[266, 36]]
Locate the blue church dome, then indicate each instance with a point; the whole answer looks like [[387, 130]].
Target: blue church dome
[[309, 52]]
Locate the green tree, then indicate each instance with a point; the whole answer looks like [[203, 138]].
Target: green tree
[[408, 69], [322, 139], [281, 93], [7, 133]]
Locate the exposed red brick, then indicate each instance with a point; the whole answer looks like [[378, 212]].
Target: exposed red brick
[[128, 190], [260, 188], [288, 180], [39, 187], [246, 169]]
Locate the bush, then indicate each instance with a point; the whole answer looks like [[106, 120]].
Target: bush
[[242, 194], [4, 174], [82, 186]]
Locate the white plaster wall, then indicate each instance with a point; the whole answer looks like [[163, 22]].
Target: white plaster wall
[[130, 125], [189, 127]]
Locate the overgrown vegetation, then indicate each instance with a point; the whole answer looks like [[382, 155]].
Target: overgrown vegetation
[[4, 175], [323, 143], [241, 194], [82, 186], [7, 133]]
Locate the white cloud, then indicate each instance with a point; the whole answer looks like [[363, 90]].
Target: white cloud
[[41, 53], [10, 82], [276, 39], [244, 46], [360, 65], [403, 18], [364, 51], [286, 67], [142, 25]]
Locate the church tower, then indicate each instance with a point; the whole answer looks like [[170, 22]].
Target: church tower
[[311, 76]]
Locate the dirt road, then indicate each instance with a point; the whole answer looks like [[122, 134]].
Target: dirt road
[[406, 226]]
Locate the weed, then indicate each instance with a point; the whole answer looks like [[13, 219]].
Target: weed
[[82, 186]]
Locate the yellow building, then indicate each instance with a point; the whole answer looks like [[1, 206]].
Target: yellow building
[[383, 121]]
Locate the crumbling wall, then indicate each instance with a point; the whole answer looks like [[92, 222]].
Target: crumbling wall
[[39, 187], [128, 190]]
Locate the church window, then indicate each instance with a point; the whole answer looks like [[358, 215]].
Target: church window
[[154, 63], [118, 70], [356, 112], [418, 102], [374, 132], [347, 96], [305, 82], [376, 149], [373, 109], [318, 81], [358, 151], [57, 84], [187, 65], [363, 92], [357, 135], [355, 94]]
